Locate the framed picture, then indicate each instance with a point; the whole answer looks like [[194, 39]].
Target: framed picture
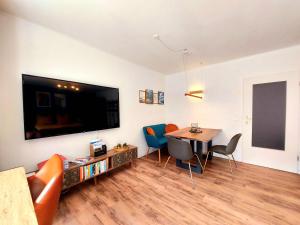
[[161, 98], [155, 98], [142, 96], [43, 99], [149, 96]]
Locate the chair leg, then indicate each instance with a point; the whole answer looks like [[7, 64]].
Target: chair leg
[[207, 154], [229, 163], [199, 162], [159, 159], [167, 162], [191, 174], [234, 161], [147, 152]]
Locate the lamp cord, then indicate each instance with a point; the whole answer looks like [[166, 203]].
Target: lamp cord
[[184, 52], [169, 48], [185, 71]]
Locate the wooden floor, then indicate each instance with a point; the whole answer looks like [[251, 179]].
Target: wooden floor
[[149, 194]]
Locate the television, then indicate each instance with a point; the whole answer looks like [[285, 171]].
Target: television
[[54, 107]]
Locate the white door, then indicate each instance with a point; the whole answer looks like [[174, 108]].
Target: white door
[[270, 123]]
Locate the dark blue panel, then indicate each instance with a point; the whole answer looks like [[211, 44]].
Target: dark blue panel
[[269, 115]]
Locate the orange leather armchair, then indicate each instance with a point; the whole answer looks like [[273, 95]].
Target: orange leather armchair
[[45, 187]]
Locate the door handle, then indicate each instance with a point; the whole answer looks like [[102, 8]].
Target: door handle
[[247, 119]]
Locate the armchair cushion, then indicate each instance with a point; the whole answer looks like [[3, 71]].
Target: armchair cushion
[[150, 131]]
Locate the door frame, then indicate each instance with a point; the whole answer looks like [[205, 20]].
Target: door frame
[[293, 75]]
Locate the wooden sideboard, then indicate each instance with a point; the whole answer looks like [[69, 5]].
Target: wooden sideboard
[[114, 159]]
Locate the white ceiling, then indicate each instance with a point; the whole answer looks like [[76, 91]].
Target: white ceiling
[[213, 30]]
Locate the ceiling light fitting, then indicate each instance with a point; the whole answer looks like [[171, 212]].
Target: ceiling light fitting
[[184, 53], [194, 94]]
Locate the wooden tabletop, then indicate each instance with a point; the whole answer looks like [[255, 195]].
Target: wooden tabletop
[[16, 207], [206, 135]]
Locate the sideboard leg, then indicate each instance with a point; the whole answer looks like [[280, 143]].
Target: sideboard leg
[[133, 163]]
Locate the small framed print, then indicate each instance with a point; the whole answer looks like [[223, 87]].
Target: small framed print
[[155, 98], [161, 98], [149, 96], [142, 96]]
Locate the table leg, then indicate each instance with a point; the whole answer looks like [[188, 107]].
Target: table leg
[[192, 143], [204, 147], [199, 149], [194, 168], [209, 144], [195, 146]]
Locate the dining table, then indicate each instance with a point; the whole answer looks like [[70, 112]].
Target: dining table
[[200, 141], [16, 207]]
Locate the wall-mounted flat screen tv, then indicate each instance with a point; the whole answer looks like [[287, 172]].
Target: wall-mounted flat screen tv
[[57, 107]]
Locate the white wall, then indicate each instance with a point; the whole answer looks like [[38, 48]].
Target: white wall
[[222, 83], [32, 49]]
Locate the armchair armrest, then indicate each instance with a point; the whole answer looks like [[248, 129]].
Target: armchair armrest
[[46, 203]]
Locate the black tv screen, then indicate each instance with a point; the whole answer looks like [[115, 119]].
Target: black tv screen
[[56, 107]]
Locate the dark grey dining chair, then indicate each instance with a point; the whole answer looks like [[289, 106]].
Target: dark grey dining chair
[[226, 150], [181, 150]]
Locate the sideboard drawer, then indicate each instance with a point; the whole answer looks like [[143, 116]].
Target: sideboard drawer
[[122, 158], [134, 153], [71, 177]]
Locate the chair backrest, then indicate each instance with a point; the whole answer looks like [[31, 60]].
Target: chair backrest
[[171, 127], [233, 143], [159, 129], [179, 149], [46, 203]]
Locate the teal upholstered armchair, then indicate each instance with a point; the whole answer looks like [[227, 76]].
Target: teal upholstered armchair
[[157, 141]]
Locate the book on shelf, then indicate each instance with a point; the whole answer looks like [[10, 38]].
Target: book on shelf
[[87, 172], [93, 169], [97, 168], [103, 166], [81, 176]]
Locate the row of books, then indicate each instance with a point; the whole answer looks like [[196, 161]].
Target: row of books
[[93, 169]]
